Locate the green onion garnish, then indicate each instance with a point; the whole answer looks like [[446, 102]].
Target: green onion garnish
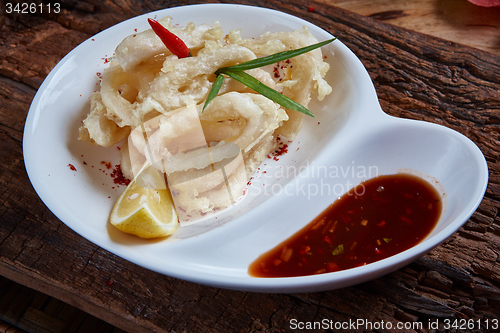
[[215, 89], [236, 73], [338, 250], [273, 58], [270, 93]]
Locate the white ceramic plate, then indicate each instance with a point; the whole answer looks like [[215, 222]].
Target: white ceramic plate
[[351, 138]]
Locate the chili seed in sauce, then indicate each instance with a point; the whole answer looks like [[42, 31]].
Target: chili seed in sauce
[[392, 214]]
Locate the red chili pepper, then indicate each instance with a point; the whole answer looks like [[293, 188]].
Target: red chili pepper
[[332, 267], [171, 41]]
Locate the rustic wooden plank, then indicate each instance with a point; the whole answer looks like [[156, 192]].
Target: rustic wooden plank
[[14, 303], [26, 309], [415, 77], [457, 21], [40, 321]]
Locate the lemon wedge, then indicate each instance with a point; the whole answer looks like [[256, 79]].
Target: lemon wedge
[[146, 211]]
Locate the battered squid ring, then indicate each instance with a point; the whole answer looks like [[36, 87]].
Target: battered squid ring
[[259, 114], [189, 160], [142, 46], [130, 98], [305, 72], [257, 118], [167, 135], [215, 186], [188, 80]]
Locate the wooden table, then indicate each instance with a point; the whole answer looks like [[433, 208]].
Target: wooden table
[[456, 20], [416, 76]]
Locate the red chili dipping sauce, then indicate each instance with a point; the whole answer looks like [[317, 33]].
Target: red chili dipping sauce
[[379, 218]]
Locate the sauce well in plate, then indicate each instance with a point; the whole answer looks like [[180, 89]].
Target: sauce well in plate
[[379, 218]]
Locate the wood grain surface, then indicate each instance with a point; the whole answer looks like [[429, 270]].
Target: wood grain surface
[[456, 20], [416, 76]]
